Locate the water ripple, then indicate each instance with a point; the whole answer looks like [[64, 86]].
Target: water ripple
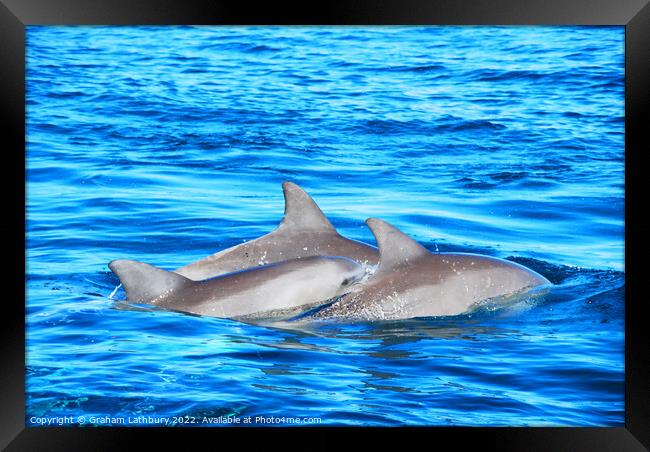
[[166, 144]]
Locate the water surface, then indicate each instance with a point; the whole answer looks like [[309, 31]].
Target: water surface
[[166, 144]]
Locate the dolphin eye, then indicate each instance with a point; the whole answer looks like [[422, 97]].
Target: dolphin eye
[[345, 282]]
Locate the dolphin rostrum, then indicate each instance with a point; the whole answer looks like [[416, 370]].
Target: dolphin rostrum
[[273, 290], [411, 282], [304, 231]]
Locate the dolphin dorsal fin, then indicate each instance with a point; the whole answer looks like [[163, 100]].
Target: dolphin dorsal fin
[[143, 282], [395, 247], [301, 212]]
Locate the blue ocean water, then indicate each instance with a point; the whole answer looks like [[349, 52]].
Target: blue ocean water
[[166, 144]]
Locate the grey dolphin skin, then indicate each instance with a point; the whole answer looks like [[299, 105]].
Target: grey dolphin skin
[[274, 290], [412, 282], [304, 231]]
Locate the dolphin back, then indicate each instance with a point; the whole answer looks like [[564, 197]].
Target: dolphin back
[[145, 283]]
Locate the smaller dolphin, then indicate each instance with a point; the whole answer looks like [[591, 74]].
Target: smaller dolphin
[[410, 281], [304, 231], [273, 290]]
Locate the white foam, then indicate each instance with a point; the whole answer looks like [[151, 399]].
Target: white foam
[[113, 293]]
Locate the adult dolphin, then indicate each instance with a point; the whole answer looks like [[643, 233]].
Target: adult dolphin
[[273, 290], [304, 231], [411, 282]]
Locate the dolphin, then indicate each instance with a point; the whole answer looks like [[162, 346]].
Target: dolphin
[[304, 231], [273, 290], [410, 281]]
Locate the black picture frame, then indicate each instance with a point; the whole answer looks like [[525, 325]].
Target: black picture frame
[[633, 14]]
